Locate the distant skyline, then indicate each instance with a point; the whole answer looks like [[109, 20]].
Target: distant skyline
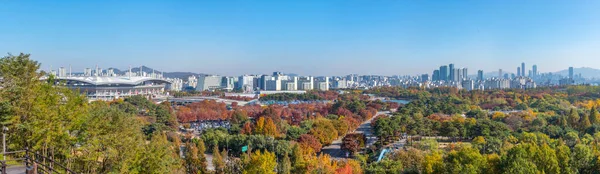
[[305, 37]]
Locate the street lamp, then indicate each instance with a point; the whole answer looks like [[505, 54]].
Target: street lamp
[[4, 131]]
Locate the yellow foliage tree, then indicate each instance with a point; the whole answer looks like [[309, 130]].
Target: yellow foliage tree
[[261, 163]]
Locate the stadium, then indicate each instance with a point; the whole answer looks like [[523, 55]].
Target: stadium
[[110, 88]]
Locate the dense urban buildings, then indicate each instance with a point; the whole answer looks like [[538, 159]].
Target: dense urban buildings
[[100, 84]]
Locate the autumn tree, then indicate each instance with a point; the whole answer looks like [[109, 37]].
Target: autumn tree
[[261, 163], [218, 160], [353, 142], [324, 131], [307, 142]]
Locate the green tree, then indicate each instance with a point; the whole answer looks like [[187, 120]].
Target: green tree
[[584, 122], [285, 166], [546, 160], [158, 157], [563, 155], [465, 160], [385, 166], [517, 161], [594, 116], [573, 118], [582, 158]]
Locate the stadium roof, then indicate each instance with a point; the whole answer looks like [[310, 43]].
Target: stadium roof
[[100, 80]]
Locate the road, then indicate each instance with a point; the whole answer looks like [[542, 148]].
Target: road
[[335, 151]]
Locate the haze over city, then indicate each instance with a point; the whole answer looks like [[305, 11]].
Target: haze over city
[[305, 37]]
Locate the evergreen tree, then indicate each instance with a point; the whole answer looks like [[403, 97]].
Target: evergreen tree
[[584, 122], [285, 166], [573, 118], [594, 116]]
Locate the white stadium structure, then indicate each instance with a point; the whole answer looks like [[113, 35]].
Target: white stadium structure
[[114, 87]]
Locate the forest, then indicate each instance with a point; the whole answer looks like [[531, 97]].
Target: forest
[[442, 130]]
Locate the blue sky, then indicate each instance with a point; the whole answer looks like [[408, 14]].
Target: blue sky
[[319, 37]]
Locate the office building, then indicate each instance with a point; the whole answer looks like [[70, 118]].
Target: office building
[[535, 72], [246, 83], [209, 82], [480, 75], [519, 71]]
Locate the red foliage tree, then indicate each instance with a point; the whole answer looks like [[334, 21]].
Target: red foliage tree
[[309, 141]]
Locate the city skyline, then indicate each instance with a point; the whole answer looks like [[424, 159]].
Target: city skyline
[[449, 73], [308, 37]]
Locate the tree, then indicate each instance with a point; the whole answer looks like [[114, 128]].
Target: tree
[[247, 128], [594, 116], [294, 132], [546, 160], [20, 81], [353, 142], [433, 163], [465, 160], [324, 131], [218, 161], [261, 163], [573, 118], [516, 161], [308, 141], [270, 128], [285, 166], [201, 150], [581, 158], [158, 157], [192, 161], [584, 122], [385, 166], [563, 155], [298, 162]]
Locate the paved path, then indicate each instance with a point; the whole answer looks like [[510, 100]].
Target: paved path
[[335, 151], [15, 169]]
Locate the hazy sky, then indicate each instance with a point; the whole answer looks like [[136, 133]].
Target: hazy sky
[[319, 37]]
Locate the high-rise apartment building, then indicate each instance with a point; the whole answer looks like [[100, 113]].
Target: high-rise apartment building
[[424, 77], [443, 72], [571, 72], [523, 69], [452, 72], [436, 75], [62, 72]]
